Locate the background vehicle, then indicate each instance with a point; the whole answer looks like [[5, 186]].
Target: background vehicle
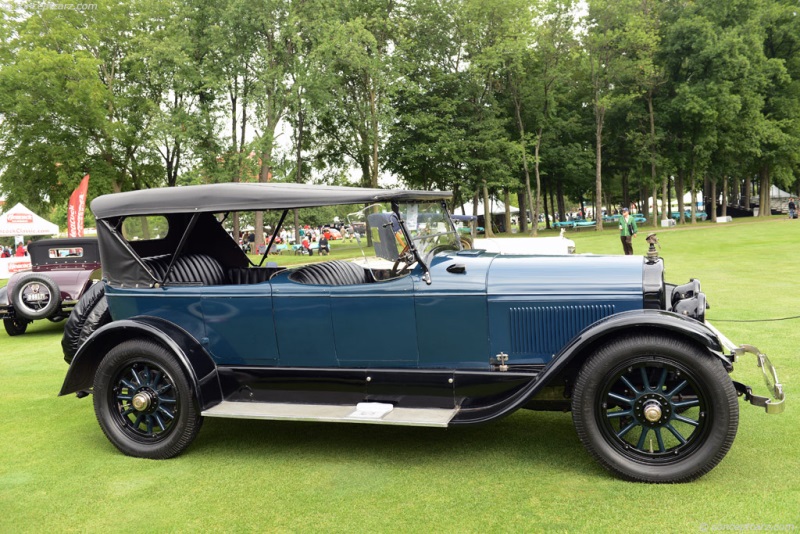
[[199, 332], [62, 270]]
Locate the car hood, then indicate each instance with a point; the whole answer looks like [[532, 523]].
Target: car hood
[[558, 276]]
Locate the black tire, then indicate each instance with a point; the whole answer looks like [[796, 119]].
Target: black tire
[[35, 286], [673, 431], [15, 326], [143, 401], [89, 314]]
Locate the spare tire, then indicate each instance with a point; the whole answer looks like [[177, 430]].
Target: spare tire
[[89, 314], [35, 296]]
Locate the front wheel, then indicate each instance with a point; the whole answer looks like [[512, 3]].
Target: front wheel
[[143, 401], [652, 408]]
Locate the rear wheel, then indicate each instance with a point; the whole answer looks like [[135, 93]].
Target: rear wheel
[[655, 409], [143, 401], [15, 326]]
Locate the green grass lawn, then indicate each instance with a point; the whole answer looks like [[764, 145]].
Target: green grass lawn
[[525, 473]]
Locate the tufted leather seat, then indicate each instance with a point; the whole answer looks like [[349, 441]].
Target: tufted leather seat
[[330, 273], [191, 269], [251, 275]]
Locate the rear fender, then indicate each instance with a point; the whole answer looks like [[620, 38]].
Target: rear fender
[[200, 368]]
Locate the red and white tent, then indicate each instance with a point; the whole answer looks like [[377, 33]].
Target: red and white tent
[[20, 221]]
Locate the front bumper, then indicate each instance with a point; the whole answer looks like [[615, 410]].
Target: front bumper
[[775, 405]]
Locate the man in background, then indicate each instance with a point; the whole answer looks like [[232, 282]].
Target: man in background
[[627, 231]]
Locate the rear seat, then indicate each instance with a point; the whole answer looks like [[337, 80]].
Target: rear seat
[[191, 269]]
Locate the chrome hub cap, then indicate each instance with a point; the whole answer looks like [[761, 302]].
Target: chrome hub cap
[[652, 411]]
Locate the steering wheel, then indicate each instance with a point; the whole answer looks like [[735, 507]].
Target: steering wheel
[[405, 259]]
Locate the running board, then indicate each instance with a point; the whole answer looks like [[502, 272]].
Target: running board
[[363, 412]]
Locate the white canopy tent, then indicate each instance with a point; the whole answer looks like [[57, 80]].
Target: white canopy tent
[[20, 221], [496, 208]]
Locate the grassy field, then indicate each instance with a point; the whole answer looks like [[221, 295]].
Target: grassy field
[[527, 472]]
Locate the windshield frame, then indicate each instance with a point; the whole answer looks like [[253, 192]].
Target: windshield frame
[[424, 258]]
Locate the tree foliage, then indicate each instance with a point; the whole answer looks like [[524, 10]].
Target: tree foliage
[[567, 104]]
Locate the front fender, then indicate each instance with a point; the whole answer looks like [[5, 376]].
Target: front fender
[[198, 364], [631, 321], [581, 346]]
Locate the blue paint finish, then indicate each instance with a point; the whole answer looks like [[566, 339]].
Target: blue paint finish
[[452, 325], [303, 323], [375, 324], [181, 306], [537, 304], [239, 324]]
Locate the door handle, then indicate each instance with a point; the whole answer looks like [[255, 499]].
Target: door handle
[[457, 268]]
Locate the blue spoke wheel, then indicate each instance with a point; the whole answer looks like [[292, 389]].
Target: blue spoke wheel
[[654, 408], [143, 401]]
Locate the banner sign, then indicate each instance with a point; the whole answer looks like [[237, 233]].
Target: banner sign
[[76, 208], [19, 218]]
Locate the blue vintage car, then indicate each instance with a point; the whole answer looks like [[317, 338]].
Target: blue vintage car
[[198, 331]]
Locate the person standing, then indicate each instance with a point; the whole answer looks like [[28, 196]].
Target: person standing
[[627, 231], [792, 209]]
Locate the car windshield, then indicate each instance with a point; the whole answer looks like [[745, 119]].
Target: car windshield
[[430, 228], [428, 225]]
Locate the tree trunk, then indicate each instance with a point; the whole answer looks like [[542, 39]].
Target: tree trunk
[[561, 207], [474, 222], [679, 196], [523, 211], [665, 198], [653, 177], [507, 215], [544, 205], [747, 187], [725, 188], [764, 200], [487, 212], [713, 201], [537, 199], [598, 195], [528, 193], [694, 195]]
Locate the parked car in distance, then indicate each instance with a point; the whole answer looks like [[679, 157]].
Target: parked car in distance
[[422, 333], [527, 245], [61, 271]]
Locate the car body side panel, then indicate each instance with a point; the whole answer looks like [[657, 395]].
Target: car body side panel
[[452, 325], [303, 324], [180, 305], [537, 304], [374, 324], [239, 324]]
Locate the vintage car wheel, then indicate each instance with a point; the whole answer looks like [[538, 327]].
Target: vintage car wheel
[[15, 326], [655, 409], [143, 401], [35, 296], [89, 314]]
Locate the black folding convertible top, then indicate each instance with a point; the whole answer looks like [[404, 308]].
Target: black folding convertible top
[[217, 198]]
